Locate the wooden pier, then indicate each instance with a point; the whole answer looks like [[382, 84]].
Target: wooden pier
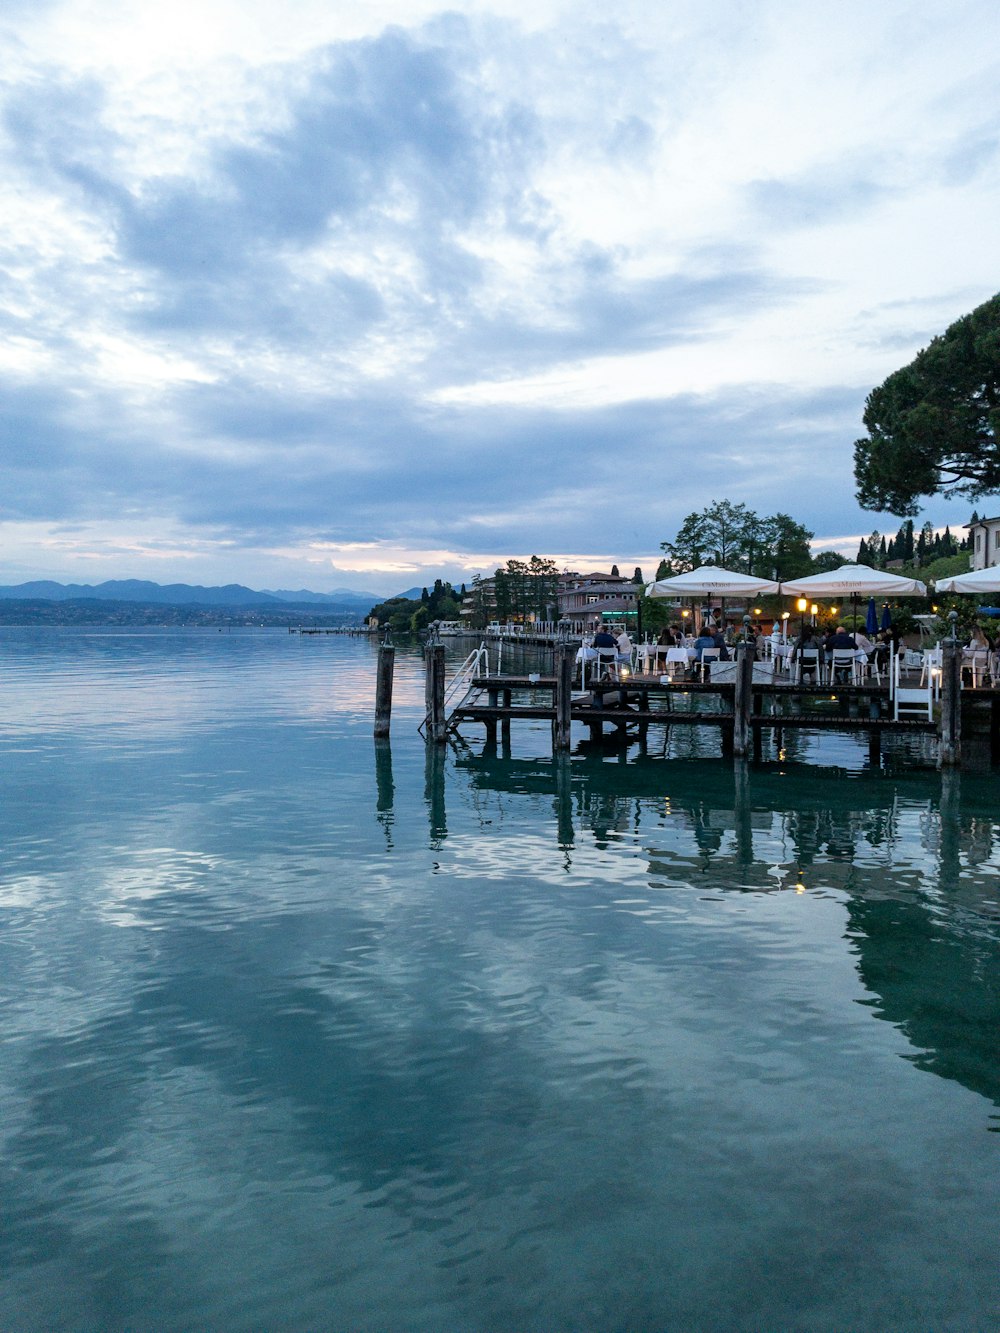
[[631, 707], [741, 708]]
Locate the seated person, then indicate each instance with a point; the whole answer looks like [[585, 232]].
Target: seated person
[[842, 642], [720, 643], [864, 643], [978, 641], [604, 639], [806, 640], [624, 645], [706, 639]]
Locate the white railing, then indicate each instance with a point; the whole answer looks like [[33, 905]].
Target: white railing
[[476, 664]]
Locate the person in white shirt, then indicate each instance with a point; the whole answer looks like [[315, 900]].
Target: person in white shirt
[[624, 646]]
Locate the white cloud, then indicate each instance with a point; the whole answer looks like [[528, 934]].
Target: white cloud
[[474, 272]]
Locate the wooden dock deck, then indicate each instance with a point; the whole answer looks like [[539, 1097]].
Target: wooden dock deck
[[742, 707], [640, 702]]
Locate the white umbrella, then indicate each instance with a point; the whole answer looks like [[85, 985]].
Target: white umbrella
[[710, 581], [854, 581], [977, 580]]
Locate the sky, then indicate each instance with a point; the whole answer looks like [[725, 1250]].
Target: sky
[[323, 295]]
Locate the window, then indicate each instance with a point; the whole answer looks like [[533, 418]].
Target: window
[[979, 541], [996, 538]]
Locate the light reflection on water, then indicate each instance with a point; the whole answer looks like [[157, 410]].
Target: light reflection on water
[[304, 1031]]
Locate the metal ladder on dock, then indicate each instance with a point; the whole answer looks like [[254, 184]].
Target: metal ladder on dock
[[460, 687]]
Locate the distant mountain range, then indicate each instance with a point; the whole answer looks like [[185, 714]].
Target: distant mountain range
[[185, 594]]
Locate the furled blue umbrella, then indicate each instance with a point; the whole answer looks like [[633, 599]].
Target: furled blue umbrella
[[886, 616], [871, 622]]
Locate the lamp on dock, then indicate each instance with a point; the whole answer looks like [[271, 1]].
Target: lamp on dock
[[800, 606], [812, 611]]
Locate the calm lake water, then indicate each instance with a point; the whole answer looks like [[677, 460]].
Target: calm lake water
[[301, 1033]]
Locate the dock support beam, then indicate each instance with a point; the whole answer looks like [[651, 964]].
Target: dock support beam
[[437, 727], [565, 660], [742, 699], [383, 688], [950, 748]]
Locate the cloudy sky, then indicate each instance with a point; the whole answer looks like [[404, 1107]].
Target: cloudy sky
[[317, 294]]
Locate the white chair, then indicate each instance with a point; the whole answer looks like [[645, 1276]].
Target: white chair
[[913, 701], [607, 662], [844, 661], [978, 664], [708, 656], [807, 662], [933, 658], [676, 661]]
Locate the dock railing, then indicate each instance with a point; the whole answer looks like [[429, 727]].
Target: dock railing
[[476, 664]]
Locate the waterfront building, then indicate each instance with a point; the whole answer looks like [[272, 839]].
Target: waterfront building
[[596, 597], [984, 539]]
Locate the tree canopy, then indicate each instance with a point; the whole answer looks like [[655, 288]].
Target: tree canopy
[[737, 538], [932, 426]]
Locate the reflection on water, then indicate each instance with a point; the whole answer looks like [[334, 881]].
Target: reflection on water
[[307, 1030]]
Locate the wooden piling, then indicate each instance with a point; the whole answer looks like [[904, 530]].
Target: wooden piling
[[742, 699], [437, 727], [383, 688], [950, 747], [565, 661]]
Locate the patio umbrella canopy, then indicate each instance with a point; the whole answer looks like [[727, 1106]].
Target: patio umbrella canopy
[[977, 580], [855, 580], [710, 581]]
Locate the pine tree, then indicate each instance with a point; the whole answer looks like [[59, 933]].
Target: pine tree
[[862, 557]]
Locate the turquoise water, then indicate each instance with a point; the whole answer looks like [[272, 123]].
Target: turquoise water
[[304, 1033]]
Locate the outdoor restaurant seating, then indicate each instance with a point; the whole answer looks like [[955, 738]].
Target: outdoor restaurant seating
[[844, 666], [676, 661], [977, 663], [708, 656], [807, 662]]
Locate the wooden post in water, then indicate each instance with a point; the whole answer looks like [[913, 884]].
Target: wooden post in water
[[742, 699], [383, 688], [950, 748], [437, 728], [563, 697]]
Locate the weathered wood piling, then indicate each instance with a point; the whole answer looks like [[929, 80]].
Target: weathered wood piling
[[437, 722], [561, 723], [950, 746], [383, 688]]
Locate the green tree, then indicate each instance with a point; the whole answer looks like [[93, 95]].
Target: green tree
[[932, 425], [525, 588], [827, 561], [718, 536], [737, 538], [787, 554]]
